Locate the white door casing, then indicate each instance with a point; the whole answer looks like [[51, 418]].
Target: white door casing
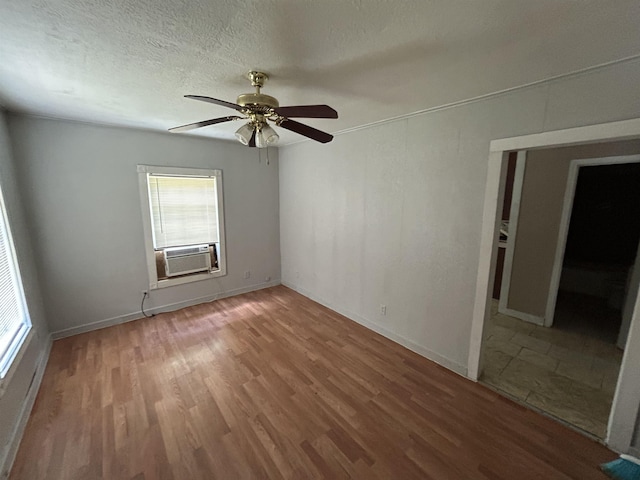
[[629, 302], [503, 305]]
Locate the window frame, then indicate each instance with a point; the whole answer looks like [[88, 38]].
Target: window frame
[[143, 172], [9, 360]]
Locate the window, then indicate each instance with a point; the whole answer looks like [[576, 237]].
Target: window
[[183, 224], [14, 318]]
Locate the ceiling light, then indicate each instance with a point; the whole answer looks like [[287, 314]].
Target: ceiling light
[[270, 135], [260, 140], [244, 133], [265, 136], [259, 108]]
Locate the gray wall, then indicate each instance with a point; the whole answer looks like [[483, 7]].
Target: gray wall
[[13, 393], [391, 214], [81, 194], [543, 189]]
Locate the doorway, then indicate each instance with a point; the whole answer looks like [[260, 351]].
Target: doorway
[[598, 246], [567, 368], [624, 410]]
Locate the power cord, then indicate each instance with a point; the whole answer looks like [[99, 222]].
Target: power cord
[[144, 295]]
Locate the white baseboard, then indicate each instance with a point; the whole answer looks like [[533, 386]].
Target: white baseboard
[[527, 317], [16, 436], [405, 342], [89, 327]]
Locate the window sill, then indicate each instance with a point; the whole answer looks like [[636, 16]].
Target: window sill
[[196, 277]]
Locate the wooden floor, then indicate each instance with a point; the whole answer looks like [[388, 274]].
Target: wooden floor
[[272, 385]]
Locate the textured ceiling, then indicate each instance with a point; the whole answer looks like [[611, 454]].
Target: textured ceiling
[[130, 62]]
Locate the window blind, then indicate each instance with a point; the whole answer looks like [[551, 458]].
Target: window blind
[[183, 210], [13, 319]]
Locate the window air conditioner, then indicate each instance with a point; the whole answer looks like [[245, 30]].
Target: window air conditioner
[[183, 260]]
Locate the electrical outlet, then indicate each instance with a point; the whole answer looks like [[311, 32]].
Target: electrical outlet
[[247, 274], [144, 292], [267, 278], [383, 309]]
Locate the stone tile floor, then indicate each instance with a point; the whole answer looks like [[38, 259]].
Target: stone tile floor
[[568, 373]]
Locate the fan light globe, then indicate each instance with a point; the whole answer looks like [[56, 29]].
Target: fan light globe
[[260, 140], [265, 136], [244, 133], [270, 135]]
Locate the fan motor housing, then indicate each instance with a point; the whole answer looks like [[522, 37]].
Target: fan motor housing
[[248, 99]]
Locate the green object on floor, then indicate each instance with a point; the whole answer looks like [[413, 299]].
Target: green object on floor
[[624, 468]]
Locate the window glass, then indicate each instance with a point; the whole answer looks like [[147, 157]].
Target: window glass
[[183, 210], [14, 321]]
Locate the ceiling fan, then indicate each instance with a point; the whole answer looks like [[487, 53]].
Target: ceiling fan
[[260, 109]]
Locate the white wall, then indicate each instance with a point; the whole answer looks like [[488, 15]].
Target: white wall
[[15, 396], [391, 214], [81, 194]]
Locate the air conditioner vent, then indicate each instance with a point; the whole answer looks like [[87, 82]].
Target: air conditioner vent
[[183, 260], [182, 251]]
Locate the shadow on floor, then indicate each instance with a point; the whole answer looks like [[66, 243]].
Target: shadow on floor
[[587, 315]]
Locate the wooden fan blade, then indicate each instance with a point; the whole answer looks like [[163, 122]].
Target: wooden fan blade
[[204, 123], [215, 101], [252, 141], [306, 130], [307, 111]]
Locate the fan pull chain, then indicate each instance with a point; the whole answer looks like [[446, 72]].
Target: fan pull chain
[[267, 162]]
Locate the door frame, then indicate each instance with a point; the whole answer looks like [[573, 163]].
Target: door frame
[[627, 308], [626, 401], [514, 215], [565, 220]]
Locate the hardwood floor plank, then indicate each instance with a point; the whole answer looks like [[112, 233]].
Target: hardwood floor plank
[[272, 385]]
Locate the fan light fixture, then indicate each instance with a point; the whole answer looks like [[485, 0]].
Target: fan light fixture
[[266, 136], [244, 133], [259, 109]]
